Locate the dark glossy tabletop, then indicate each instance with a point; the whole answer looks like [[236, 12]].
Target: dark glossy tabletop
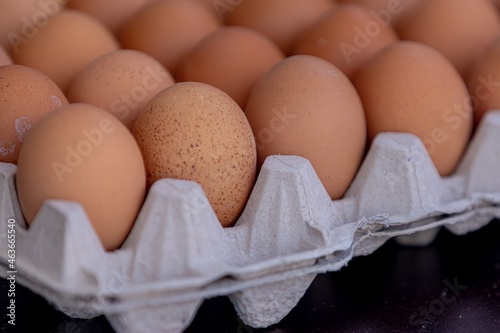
[[453, 285]]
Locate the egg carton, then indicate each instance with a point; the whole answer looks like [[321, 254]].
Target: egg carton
[[177, 253]]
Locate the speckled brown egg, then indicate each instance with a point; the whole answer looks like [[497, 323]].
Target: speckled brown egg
[[67, 43], [197, 132], [26, 95], [121, 82]]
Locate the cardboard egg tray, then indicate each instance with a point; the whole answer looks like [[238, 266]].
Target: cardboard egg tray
[[177, 254]]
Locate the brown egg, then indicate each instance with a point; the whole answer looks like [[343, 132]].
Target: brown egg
[[484, 82], [390, 11], [21, 19], [64, 46], [121, 82], [4, 57], [410, 87], [197, 132], [306, 106], [26, 95], [168, 29], [231, 59], [347, 37], [459, 29], [280, 20], [82, 153], [112, 13]]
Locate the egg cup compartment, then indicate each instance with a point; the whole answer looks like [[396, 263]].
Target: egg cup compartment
[[177, 253]]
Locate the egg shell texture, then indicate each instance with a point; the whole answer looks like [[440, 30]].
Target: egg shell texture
[[410, 87], [121, 82], [64, 46], [306, 106], [82, 153], [26, 95], [196, 132]]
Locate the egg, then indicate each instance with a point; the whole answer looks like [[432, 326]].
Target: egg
[[22, 19], [83, 154], [347, 36], [306, 106], [410, 87], [484, 81], [4, 57], [121, 82], [112, 13], [231, 59], [280, 20], [26, 95], [168, 29], [68, 42], [459, 29], [196, 132]]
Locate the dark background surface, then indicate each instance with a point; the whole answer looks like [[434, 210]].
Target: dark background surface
[[396, 289]]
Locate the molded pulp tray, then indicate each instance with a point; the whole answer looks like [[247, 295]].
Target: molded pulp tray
[[178, 254]]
